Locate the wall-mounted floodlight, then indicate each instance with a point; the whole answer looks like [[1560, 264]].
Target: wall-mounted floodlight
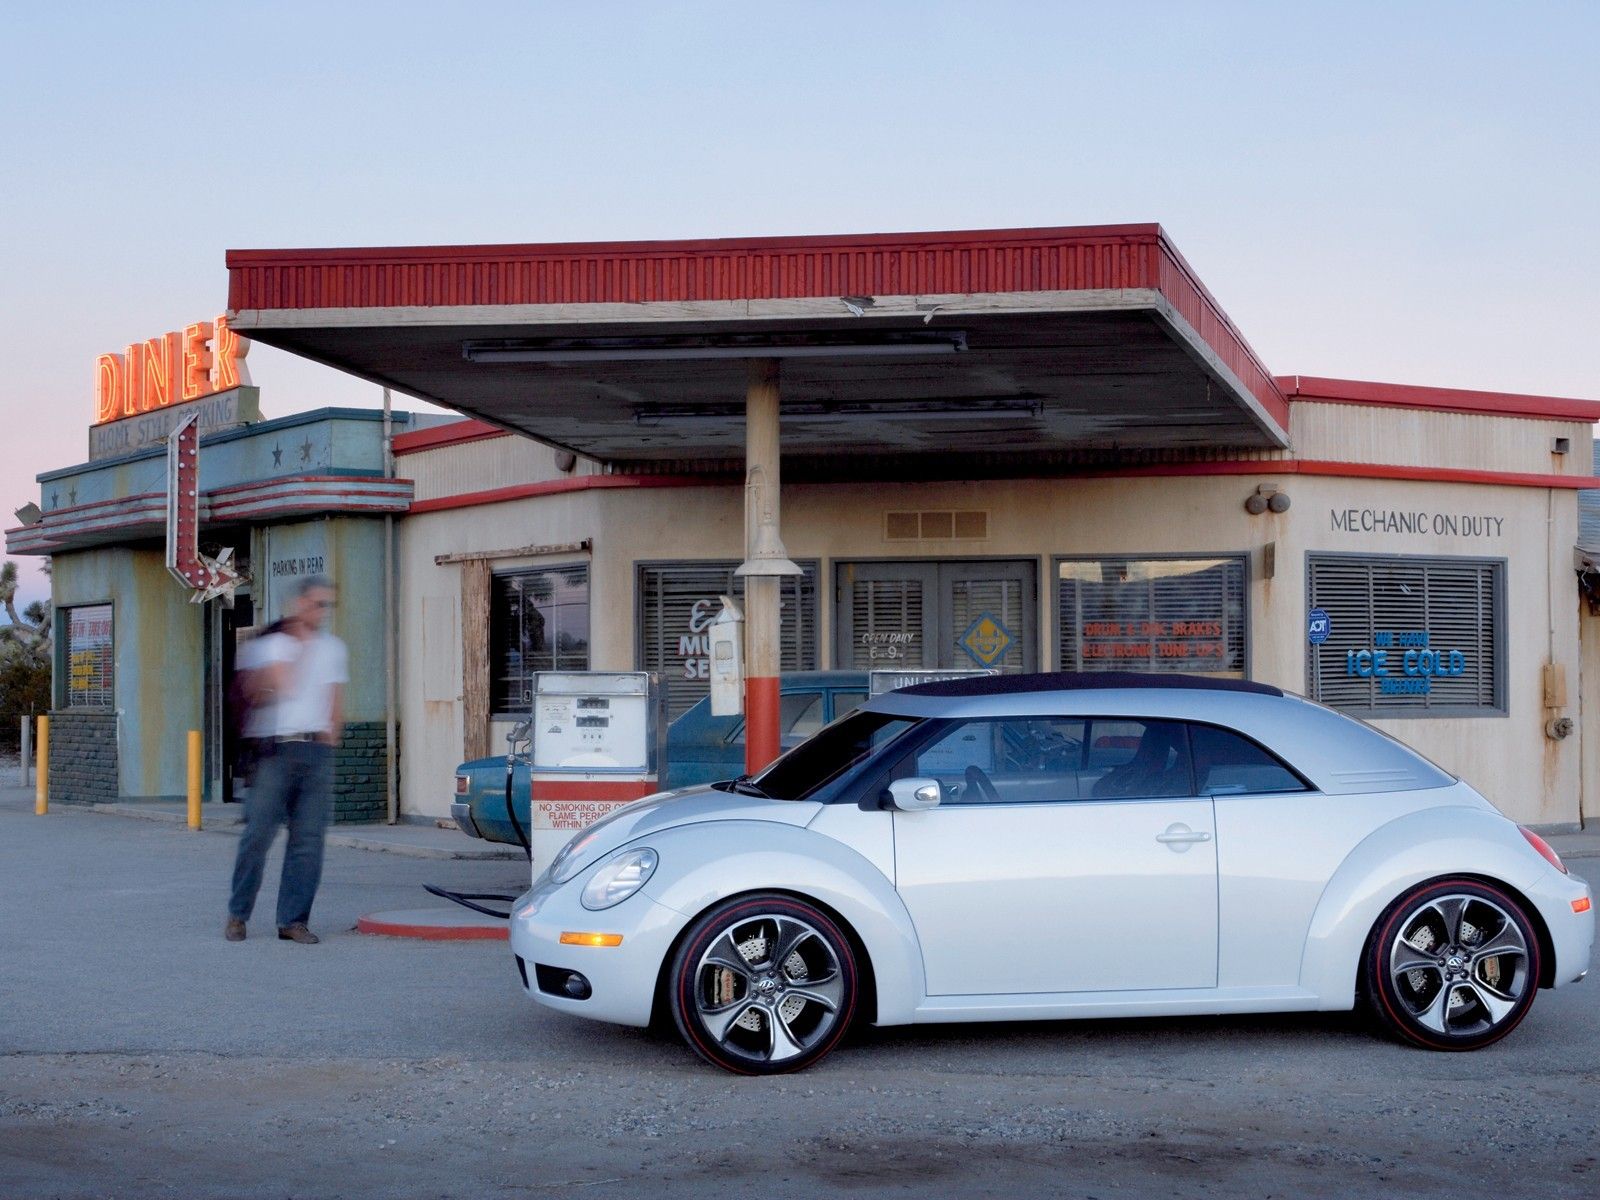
[[30, 513], [903, 344]]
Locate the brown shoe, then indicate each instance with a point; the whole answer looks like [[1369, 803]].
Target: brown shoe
[[298, 933], [233, 930]]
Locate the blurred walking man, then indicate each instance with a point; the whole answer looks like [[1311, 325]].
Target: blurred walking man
[[298, 679]]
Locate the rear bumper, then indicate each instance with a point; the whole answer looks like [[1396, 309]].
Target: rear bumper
[[462, 814], [1571, 933]]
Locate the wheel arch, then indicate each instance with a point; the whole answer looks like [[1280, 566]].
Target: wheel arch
[[867, 1002], [1408, 852]]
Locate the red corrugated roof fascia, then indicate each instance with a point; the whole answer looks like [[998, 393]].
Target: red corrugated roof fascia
[[452, 434], [1399, 395], [1099, 257]]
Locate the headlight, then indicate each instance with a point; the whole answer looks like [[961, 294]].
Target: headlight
[[618, 879]]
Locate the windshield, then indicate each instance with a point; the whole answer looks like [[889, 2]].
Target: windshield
[[831, 752]]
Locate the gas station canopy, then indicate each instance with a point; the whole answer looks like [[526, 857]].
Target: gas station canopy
[[972, 354]]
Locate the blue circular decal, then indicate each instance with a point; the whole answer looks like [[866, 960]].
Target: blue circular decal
[[1318, 626]]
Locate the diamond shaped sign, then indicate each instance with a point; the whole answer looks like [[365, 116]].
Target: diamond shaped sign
[[986, 640]]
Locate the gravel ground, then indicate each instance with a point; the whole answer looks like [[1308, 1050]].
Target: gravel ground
[[143, 1056]]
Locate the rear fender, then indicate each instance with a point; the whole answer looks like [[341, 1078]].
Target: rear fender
[[1391, 860], [699, 867]]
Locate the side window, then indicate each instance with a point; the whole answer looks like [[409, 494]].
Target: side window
[[1226, 764], [1136, 760], [1019, 760], [847, 702], [799, 715]]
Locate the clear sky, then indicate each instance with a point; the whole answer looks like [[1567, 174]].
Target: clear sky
[[1403, 192]]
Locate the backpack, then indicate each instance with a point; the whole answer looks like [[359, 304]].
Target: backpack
[[240, 707]]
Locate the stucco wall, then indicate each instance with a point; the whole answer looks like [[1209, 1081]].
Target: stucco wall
[[157, 640]]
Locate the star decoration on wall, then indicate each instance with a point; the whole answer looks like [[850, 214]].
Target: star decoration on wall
[[55, 499], [305, 450], [72, 494], [277, 455]]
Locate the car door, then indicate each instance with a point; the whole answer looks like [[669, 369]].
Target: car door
[[1065, 855]]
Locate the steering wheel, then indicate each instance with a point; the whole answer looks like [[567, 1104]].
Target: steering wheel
[[978, 782]]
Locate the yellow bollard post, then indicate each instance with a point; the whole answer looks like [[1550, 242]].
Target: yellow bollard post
[[41, 789], [194, 779]]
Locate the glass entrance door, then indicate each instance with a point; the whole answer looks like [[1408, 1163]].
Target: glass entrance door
[[936, 615]]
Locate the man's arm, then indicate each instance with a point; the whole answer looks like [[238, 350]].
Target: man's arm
[[335, 716]]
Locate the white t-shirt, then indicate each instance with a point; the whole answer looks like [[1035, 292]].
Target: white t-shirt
[[313, 668]]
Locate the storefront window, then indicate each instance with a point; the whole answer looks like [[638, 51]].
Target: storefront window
[[88, 656], [1403, 636], [677, 603], [539, 621], [1152, 614]]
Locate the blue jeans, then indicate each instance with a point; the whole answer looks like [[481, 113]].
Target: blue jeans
[[292, 786]]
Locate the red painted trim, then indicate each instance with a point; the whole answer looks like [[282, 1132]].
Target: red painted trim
[[456, 433], [375, 923], [364, 484], [1436, 399], [555, 487], [761, 736], [793, 243]]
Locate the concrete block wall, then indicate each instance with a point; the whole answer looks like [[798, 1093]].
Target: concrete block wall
[[360, 771], [83, 758]]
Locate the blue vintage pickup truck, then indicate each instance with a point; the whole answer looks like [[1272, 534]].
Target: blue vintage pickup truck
[[701, 748]]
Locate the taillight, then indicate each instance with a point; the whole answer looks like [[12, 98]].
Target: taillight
[[461, 787], [1543, 847]]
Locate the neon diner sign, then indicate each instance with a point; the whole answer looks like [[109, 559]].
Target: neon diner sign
[[175, 368]]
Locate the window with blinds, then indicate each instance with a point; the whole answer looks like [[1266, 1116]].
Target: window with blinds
[[88, 654], [1152, 614], [886, 618], [538, 621], [1409, 636], [677, 601]]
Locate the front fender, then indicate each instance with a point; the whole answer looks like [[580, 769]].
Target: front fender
[[707, 862], [1391, 860]]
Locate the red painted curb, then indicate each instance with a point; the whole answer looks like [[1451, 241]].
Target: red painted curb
[[433, 933]]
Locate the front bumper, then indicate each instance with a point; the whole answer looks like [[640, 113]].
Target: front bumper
[[621, 979]]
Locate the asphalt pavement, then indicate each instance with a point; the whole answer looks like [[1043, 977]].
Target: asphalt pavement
[[141, 1055]]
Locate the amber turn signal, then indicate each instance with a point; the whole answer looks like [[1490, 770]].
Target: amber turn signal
[[570, 938], [1583, 905]]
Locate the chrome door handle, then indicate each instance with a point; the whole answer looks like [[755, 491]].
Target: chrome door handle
[[1182, 835]]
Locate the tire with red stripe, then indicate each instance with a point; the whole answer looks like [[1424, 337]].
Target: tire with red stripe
[[764, 984], [1453, 964]]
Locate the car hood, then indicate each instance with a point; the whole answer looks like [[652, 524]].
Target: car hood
[[665, 810]]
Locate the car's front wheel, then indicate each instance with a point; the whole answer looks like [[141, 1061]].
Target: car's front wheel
[[763, 984], [1452, 965]]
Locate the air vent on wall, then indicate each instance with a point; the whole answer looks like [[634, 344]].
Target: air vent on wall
[[936, 524]]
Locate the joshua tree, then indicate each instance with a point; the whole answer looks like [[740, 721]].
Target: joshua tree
[[24, 655]]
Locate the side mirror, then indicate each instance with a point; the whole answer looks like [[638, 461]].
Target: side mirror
[[915, 795]]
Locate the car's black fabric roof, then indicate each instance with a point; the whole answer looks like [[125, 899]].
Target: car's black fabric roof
[[1061, 681]]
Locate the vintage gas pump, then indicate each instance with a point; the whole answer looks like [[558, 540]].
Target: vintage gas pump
[[726, 644], [599, 741]]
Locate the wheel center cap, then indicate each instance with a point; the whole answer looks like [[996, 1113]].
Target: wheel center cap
[[1455, 963], [768, 986]]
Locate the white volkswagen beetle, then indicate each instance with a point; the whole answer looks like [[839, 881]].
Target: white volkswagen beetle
[[1049, 846]]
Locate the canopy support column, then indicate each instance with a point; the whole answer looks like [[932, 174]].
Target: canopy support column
[[766, 563]]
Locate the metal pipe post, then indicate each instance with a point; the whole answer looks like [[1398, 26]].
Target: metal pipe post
[[761, 592], [41, 793], [26, 771], [194, 778], [391, 631]]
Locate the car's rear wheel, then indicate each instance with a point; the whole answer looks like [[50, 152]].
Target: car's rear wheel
[[763, 984], [1452, 965]]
